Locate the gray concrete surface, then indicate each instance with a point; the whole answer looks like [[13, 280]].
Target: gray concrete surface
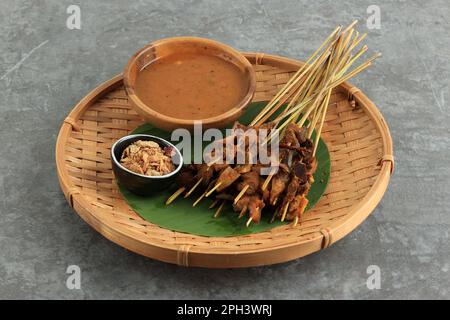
[[46, 68]]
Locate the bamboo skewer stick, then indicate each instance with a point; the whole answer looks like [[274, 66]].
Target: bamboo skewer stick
[[313, 123], [344, 46], [298, 74], [352, 60], [199, 199], [213, 189], [204, 193], [241, 214], [324, 113], [239, 196], [175, 195], [333, 84], [288, 86], [215, 202], [296, 111], [267, 181], [313, 68], [285, 209], [350, 26], [193, 188], [216, 215], [310, 81], [274, 216], [274, 202], [273, 109]]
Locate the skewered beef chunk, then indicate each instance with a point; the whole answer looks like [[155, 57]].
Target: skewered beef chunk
[[284, 155], [308, 144], [244, 168], [289, 136], [300, 171], [291, 190], [242, 204], [250, 179], [290, 184], [255, 206], [300, 133], [311, 164], [204, 172], [227, 178], [297, 207], [293, 207], [219, 167], [267, 126], [279, 182], [300, 152], [237, 125], [225, 196], [303, 188]]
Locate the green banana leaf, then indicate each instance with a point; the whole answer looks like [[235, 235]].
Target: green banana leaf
[[181, 216]]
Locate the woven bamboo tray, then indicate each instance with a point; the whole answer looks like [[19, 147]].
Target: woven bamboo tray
[[361, 164]]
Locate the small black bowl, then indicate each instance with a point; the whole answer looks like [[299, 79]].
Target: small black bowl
[[138, 183]]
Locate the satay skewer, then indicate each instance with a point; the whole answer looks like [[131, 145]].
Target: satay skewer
[[302, 208]]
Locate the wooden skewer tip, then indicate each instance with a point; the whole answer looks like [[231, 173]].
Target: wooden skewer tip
[[219, 209], [295, 221], [213, 204], [198, 200], [213, 189], [193, 188], [285, 209], [267, 181], [239, 196], [175, 195], [241, 214]]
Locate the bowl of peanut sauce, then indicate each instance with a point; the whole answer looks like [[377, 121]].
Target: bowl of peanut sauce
[[176, 82]]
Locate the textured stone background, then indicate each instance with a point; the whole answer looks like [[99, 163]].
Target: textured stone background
[[45, 69]]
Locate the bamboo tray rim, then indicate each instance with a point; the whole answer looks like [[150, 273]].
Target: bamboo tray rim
[[335, 231]]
